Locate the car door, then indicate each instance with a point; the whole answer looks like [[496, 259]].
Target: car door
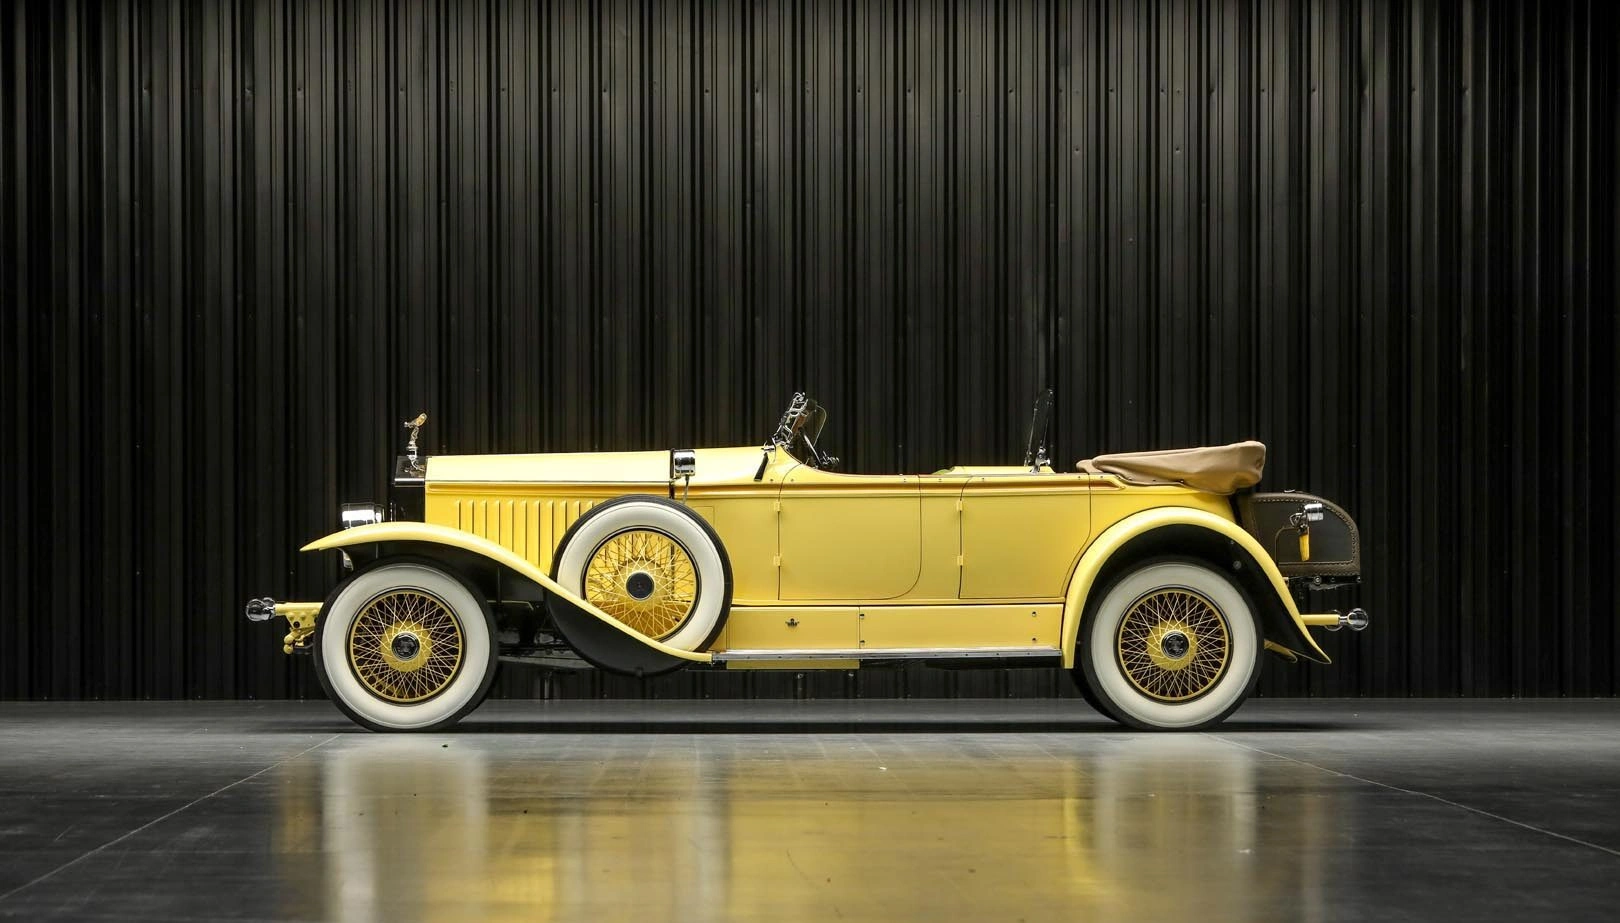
[[848, 537], [1021, 534]]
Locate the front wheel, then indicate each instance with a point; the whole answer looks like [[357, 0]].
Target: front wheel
[[1170, 645], [405, 646]]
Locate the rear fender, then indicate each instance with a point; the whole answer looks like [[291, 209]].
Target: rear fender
[[1284, 627], [452, 545]]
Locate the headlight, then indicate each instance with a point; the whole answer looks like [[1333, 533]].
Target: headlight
[[360, 514]]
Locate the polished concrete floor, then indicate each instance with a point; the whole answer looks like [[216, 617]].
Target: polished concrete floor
[[999, 810]]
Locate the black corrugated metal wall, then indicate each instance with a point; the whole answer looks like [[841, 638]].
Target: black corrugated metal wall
[[241, 241]]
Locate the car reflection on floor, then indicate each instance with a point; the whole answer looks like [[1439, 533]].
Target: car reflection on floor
[[674, 826]]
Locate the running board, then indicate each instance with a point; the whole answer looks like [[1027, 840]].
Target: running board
[[898, 653]]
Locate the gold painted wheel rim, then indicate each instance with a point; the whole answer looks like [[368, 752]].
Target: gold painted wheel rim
[[1173, 644], [405, 646], [645, 579]]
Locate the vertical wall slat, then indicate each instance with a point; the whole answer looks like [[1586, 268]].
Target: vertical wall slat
[[239, 242]]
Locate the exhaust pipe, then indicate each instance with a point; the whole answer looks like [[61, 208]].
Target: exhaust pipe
[[1355, 620]]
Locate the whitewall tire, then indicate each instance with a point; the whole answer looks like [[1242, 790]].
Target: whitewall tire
[[405, 646], [652, 564], [1172, 644]]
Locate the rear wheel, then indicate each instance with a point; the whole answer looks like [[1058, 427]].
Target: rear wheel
[[405, 646], [1171, 644]]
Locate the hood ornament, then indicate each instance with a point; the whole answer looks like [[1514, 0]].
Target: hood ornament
[[415, 426]]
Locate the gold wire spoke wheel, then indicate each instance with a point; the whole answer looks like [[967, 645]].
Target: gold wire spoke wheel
[[643, 578], [405, 646], [1173, 644]]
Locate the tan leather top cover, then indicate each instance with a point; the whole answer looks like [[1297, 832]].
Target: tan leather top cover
[[1219, 469]]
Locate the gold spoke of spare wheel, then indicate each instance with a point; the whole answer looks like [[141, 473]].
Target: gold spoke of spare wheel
[[405, 646], [644, 579], [1173, 644]]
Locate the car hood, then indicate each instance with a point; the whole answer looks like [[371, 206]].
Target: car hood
[[590, 467]]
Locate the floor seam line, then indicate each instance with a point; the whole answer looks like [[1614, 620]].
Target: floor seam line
[[1429, 795], [158, 820]]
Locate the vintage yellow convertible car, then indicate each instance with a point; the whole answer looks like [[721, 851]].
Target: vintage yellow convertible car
[[1157, 579]]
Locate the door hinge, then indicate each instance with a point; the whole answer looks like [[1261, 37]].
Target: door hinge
[[958, 560], [776, 561], [777, 505], [959, 504]]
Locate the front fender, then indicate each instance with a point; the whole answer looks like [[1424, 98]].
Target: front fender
[[425, 533], [1116, 536]]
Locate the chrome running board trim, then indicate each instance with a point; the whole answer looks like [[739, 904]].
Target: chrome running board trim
[[898, 653]]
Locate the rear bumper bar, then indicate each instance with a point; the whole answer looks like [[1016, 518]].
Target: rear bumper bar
[[1355, 620]]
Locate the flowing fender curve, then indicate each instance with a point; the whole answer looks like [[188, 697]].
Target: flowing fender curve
[[1091, 564], [455, 538]]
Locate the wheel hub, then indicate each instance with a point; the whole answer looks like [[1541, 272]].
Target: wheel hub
[[643, 578], [405, 646], [1173, 644], [639, 585]]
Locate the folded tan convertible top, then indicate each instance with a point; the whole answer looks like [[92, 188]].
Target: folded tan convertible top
[[1220, 469]]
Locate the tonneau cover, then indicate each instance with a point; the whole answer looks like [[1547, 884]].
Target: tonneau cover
[[1220, 469]]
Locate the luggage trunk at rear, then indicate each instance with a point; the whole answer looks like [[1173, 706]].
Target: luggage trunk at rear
[[1273, 519]]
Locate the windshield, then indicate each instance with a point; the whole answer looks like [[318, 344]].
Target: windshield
[[1035, 454], [803, 444], [800, 430]]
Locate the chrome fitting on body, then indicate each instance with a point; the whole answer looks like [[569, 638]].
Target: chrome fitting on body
[[415, 426], [682, 464], [360, 514], [301, 618], [1309, 512], [1355, 620]]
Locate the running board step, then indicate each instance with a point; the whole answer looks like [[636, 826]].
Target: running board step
[[901, 653]]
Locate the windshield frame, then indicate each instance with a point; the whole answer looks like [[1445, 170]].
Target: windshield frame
[[805, 434], [801, 426]]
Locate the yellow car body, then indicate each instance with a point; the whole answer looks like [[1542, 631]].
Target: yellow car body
[[968, 565]]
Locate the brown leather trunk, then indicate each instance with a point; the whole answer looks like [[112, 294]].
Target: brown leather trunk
[[1335, 541]]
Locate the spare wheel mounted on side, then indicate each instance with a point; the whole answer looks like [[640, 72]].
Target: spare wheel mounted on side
[[653, 565]]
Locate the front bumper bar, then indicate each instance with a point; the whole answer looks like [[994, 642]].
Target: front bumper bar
[[301, 620]]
